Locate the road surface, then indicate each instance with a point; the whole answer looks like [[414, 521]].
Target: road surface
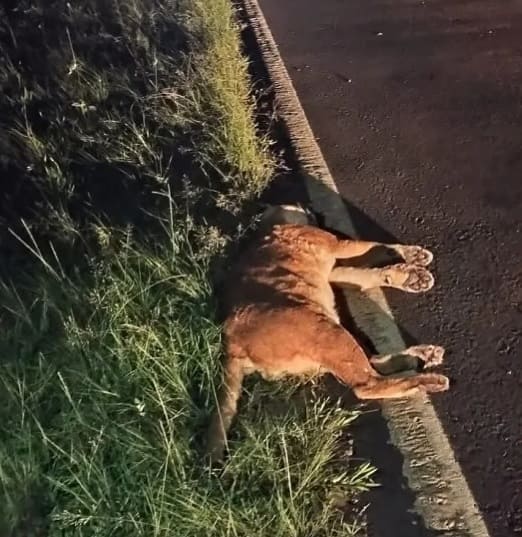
[[418, 109]]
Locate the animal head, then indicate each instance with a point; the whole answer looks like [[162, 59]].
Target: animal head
[[287, 214]]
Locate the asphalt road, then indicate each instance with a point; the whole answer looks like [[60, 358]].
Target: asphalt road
[[417, 105]]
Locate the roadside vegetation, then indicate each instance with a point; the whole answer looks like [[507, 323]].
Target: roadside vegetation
[[129, 162]]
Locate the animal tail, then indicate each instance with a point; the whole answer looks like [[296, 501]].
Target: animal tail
[[226, 409]]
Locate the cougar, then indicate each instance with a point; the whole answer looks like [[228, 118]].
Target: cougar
[[281, 318]]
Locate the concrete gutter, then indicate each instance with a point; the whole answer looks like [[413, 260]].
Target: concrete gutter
[[442, 497]]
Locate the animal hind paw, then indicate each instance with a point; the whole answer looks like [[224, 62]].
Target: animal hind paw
[[432, 383]]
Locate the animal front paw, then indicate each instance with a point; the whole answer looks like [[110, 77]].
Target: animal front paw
[[414, 255], [417, 279]]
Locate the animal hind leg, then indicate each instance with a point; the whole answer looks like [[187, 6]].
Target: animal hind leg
[[390, 388], [408, 278], [344, 358], [351, 366]]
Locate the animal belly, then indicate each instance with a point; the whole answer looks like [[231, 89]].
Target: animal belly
[[297, 366]]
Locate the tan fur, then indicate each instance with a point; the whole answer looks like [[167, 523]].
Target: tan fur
[[281, 318]]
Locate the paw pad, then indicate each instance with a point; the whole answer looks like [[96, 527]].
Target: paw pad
[[418, 279], [415, 255]]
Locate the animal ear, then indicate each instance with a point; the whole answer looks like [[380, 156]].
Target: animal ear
[[309, 211]]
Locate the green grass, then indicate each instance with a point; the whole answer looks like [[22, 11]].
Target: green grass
[[129, 159]]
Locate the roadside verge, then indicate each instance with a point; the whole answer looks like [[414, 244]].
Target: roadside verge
[[130, 167], [442, 496]]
